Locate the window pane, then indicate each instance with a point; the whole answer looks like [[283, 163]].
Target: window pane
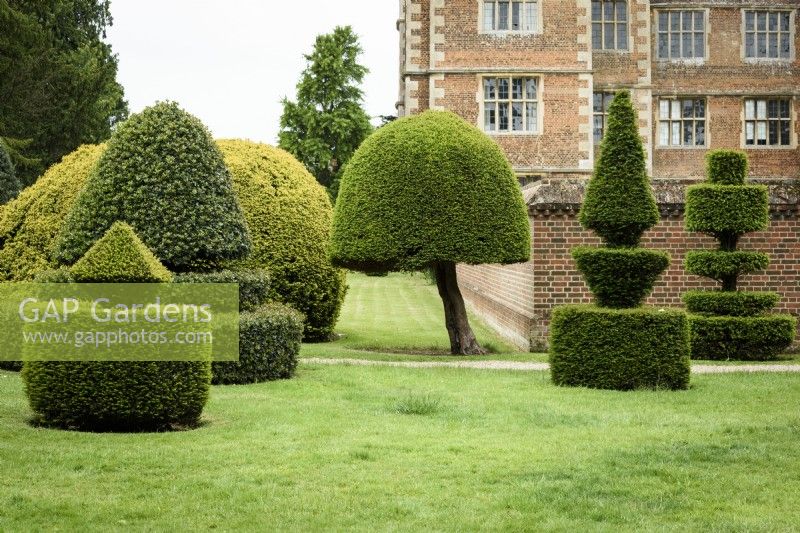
[[762, 44], [761, 109], [686, 20], [596, 11], [516, 112], [532, 117], [489, 88], [762, 133], [622, 36], [531, 14], [597, 36], [675, 20], [676, 110], [502, 22], [607, 99], [597, 102], [773, 132], [598, 128], [750, 45], [773, 45], [531, 88], [502, 88], [773, 22], [749, 21], [675, 46], [663, 21], [687, 45], [700, 108], [688, 133], [516, 15], [750, 109], [700, 133], [516, 88], [490, 117], [488, 16], [663, 111], [699, 45], [663, 45], [750, 134], [622, 11], [785, 17], [786, 135], [608, 36], [761, 19], [699, 20], [676, 134], [688, 108], [608, 10], [663, 134], [785, 113], [785, 45], [503, 117], [772, 109]]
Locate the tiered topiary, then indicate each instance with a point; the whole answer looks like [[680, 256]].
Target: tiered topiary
[[618, 344], [289, 217], [163, 175], [31, 222], [728, 324], [9, 184], [118, 396]]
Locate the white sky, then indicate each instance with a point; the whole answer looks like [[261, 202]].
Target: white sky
[[229, 62]]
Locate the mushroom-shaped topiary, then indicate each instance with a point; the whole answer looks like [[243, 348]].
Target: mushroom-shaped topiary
[[31, 222], [289, 216], [430, 191], [163, 175], [9, 184]]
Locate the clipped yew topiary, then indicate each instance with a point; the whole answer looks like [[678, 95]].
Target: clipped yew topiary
[[728, 324], [118, 396], [163, 174], [618, 344], [429, 191], [289, 215], [9, 184], [31, 222]]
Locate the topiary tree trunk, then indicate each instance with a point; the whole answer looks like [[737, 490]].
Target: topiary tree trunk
[[462, 339], [729, 324]]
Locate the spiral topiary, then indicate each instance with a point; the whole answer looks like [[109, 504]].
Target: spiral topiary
[[729, 324], [289, 216]]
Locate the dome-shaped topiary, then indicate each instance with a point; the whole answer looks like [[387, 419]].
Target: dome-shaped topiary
[[430, 191], [9, 184], [163, 175], [289, 217], [619, 204], [31, 222]]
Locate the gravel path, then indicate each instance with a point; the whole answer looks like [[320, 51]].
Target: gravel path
[[536, 367]]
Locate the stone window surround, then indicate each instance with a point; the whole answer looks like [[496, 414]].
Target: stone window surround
[[630, 35], [681, 60], [792, 117], [540, 107], [792, 35], [657, 124], [537, 30]]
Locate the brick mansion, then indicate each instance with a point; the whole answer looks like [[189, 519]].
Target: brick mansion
[[538, 76]]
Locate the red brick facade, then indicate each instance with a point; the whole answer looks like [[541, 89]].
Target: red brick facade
[[448, 49]]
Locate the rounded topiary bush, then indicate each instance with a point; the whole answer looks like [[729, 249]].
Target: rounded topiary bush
[[289, 216], [269, 343], [619, 349], [9, 184], [31, 222], [163, 175], [116, 395]]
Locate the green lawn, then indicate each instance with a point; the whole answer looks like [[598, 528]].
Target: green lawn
[[335, 449]]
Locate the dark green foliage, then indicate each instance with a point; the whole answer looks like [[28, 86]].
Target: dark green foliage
[[289, 215], [327, 123], [428, 188], [620, 277], [120, 257], [269, 343], [619, 204], [9, 184], [722, 210], [743, 338], [118, 396], [253, 284], [163, 175], [720, 265], [726, 167], [11, 366], [730, 303], [57, 80], [619, 349]]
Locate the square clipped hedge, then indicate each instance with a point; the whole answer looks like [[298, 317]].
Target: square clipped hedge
[[620, 349]]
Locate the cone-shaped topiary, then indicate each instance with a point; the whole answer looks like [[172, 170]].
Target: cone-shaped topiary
[[289, 216], [9, 184], [118, 396], [619, 204], [430, 191], [163, 175], [612, 346], [728, 324], [31, 222], [120, 257]]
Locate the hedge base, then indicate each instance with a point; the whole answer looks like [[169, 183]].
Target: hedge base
[[619, 349], [269, 343], [756, 338], [117, 396]]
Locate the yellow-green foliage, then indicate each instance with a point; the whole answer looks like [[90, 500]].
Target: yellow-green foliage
[[120, 256], [31, 222], [289, 216]]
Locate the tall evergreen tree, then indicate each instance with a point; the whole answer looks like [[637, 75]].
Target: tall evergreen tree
[[327, 123], [57, 78]]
